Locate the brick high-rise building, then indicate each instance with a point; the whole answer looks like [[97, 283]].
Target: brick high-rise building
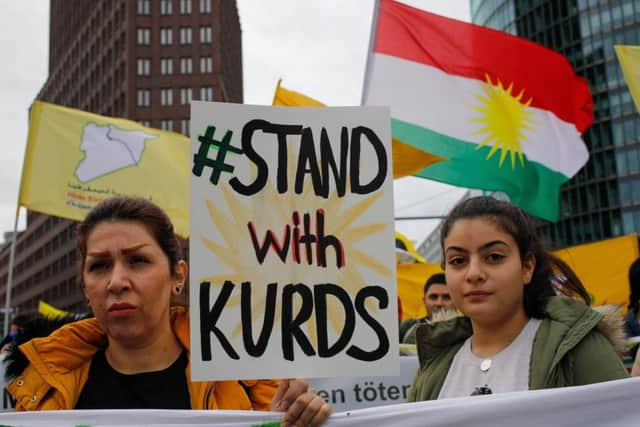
[[140, 59]]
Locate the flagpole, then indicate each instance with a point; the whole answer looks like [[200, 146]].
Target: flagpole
[[275, 94], [12, 256], [374, 25]]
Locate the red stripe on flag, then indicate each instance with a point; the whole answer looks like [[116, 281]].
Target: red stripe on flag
[[473, 51]]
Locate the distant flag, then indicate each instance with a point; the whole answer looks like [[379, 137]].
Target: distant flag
[[629, 57], [51, 312], [407, 160], [505, 112], [75, 159]]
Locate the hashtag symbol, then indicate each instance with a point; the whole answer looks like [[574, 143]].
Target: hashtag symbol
[[217, 165]]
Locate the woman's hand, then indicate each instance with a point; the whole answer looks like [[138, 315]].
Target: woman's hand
[[302, 405]]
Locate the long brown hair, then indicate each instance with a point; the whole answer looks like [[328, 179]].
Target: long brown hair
[[549, 270]]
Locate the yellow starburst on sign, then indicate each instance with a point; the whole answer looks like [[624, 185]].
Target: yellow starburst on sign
[[504, 117], [244, 268]]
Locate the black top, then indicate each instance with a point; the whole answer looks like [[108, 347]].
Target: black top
[[107, 388]]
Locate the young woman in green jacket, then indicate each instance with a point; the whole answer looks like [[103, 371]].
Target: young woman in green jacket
[[523, 326]]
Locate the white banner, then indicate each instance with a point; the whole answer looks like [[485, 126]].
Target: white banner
[[611, 404], [293, 270], [346, 394]]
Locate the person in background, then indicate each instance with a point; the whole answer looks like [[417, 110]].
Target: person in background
[[436, 299], [515, 333], [632, 319], [135, 353]]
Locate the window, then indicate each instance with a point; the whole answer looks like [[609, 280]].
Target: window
[[166, 66], [185, 7], [166, 96], [144, 67], [184, 127], [144, 36], [185, 95], [186, 66], [185, 35], [205, 7], [144, 97], [206, 94], [166, 124], [144, 7], [205, 34], [166, 36], [206, 64], [145, 123], [166, 7]]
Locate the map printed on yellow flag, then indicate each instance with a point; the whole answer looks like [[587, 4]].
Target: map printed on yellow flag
[[76, 159], [108, 149]]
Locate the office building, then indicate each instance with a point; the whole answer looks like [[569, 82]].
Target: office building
[[140, 59]]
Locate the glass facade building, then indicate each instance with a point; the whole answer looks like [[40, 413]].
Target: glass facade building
[[603, 199]]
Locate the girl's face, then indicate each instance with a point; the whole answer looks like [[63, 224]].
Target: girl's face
[[485, 273], [128, 281]]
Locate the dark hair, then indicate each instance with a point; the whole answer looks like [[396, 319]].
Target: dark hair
[[634, 284], [435, 279], [512, 220], [140, 210]]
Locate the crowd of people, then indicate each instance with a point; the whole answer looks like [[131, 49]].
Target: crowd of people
[[504, 316]]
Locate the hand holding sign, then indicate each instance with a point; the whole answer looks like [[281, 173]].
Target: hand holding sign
[[301, 403]]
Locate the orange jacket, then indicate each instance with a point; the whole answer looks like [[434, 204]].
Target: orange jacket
[[59, 368]]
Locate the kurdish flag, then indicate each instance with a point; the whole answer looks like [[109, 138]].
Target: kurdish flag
[[505, 112], [75, 159]]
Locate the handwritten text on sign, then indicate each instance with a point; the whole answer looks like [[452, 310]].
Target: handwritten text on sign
[[291, 250]]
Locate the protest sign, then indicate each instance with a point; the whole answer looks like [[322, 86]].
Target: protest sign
[[292, 242]]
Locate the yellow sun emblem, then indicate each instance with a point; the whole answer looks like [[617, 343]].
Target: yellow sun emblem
[[505, 118]]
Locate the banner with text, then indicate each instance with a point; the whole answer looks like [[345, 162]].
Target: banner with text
[[611, 404], [291, 251]]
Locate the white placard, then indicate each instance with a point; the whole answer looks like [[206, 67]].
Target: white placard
[[292, 242]]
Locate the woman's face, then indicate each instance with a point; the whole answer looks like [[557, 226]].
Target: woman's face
[[485, 273], [128, 283]]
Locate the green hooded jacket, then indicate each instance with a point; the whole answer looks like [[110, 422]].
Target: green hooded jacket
[[568, 349]]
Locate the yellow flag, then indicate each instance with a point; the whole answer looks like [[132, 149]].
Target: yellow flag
[[49, 311], [411, 280], [629, 57], [75, 159], [603, 267], [407, 160]]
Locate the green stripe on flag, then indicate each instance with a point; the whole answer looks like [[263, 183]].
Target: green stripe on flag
[[533, 187]]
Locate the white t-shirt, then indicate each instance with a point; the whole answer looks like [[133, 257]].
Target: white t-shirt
[[506, 371]]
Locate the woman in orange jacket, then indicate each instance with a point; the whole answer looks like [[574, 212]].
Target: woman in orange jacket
[[135, 352]]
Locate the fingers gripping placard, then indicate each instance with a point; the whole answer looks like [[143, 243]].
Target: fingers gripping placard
[[292, 242]]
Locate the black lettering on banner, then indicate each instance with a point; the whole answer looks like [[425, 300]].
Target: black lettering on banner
[[381, 295], [308, 164], [291, 325], [209, 318], [327, 160], [261, 165], [320, 293], [257, 349], [381, 154], [393, 392], [283, 131]]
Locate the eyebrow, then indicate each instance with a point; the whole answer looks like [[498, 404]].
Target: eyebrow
[[128, 250], [483, 247]]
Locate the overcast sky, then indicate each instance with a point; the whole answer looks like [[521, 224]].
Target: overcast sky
[[318, 48]]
